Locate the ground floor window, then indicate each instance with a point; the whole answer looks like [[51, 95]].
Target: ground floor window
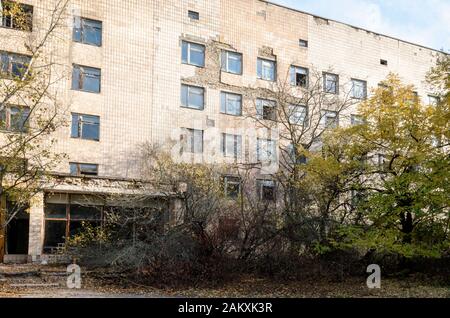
[[65, 215]]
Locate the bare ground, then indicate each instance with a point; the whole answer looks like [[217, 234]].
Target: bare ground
[[50, 282]]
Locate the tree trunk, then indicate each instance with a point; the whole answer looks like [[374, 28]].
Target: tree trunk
[[2, 226]]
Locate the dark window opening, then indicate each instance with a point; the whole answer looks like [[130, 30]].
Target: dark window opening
[[193, 15], [14, 66], [232, 187], [303, 43], [17, 231], [384, 62], [267, 190]]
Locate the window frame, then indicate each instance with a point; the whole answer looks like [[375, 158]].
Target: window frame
[[194, 15], [224, 99], [355, 80], [237, 145], [189, 45], [79, 172], [83, 71], [8, 72], [82, 30], [325, 117], [292, 112], [188, 104], [27, 9], [325, 83], [262, 104], [259, 69], [225, 55], [259, 147], [260, 186], [80, 124], [293, 71], [8, 121], [190, 134], [233, 180]]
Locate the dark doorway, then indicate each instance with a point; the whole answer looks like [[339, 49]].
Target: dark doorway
[[17, 233]]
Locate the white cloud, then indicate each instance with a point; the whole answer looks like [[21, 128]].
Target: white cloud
[[422, 22]]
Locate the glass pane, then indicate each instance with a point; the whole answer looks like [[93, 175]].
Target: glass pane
[[78, 227], [234, 63], [91, 81], [230, 149], [184, 52], [184, 95], [197, 54], [55, 211], [198, 141], [92, 32], [76, 74], [75, 131], [74, 169], [55, 232], [91, 131], [88, 169], [196, 97], [80, 212], [77, 29]]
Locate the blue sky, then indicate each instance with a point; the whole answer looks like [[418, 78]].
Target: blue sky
[[425, 22]]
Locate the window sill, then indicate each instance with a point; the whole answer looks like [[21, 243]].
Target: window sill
[[233, 115], [90, 44], [192, 108], [85, 139], [84, 91], [189, 64]]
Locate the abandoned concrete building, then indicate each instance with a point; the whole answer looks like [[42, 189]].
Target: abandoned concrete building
[[148, 71]]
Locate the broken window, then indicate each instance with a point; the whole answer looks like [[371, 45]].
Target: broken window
[[330, 119], [231, 145], [85, 127], [83, 169], [331, 83], [299, 76], [87, 31], [266, 69], [297, 114], [86, 79], [232, 187], [14, 118], [230, 104], [14, 66], [192, 140], [16, 15], [359, 89], [193, 54], [232, 62], [266, 150], [266, 109], [192, 97], [266, 190]]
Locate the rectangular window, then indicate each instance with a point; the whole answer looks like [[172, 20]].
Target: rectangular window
[[359, 89], [266, 150], [192, 141], [299, 76], [266, 190], [85, 127], [231, 145], [231, 62], [330, 119], [230, 104], [300, 159], [14, 118], [83, 169], [232, 187], [193, 54], [14, 66], [192, 97], [86, 79], [194, 15], [331, 83], [266, 69], [303, 43], [433, 100], [297, 114], [16, 15], [266, 109], [87, 31], [67, 215], [357, 120]]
